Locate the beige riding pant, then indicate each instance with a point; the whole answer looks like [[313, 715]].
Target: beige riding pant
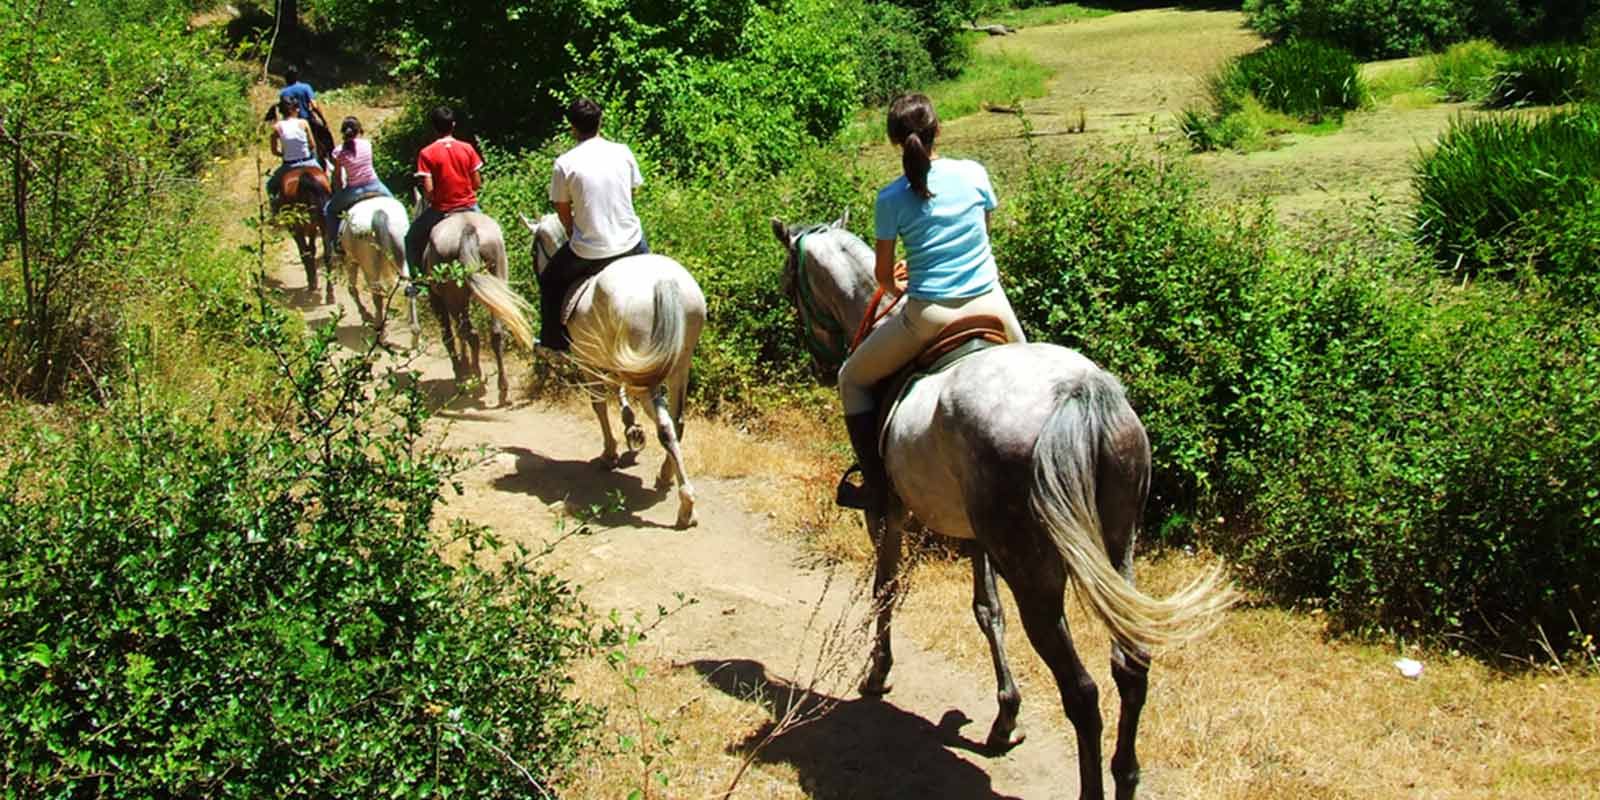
[[904, 336]]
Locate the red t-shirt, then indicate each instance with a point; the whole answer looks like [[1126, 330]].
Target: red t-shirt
[[451, 163]]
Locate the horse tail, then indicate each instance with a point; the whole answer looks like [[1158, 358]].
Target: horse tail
[[1063, 499], [503, 303], [645, 366], [391, 247]]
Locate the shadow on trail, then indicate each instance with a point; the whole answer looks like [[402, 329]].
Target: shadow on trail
[[582, 485], [863, 747]]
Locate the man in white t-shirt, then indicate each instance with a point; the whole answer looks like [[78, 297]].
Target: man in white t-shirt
[[592, 188]]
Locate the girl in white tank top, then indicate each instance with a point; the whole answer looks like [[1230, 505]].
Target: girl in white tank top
[[294, 137]]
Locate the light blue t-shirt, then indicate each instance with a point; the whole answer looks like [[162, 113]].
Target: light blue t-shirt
[[947, 243]]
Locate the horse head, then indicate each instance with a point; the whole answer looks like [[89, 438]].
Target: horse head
[[548, 236], [828, 279]]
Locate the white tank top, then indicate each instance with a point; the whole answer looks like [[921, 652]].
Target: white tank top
[[296, 139]]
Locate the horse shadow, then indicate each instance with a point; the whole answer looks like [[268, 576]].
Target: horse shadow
[[612, 497], [852, 748], [297, 297]]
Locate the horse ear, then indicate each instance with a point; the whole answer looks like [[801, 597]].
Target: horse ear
[[781, 231], [532, 227], [843, 220]]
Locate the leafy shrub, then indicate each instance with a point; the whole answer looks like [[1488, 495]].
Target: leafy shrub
[[1122, 262], [1465, 71], [1546, 75], [1368, 28], [105, 125], [1493, 179], [892, 56], [195, 609]]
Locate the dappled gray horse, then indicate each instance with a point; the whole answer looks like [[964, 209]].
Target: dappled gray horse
[[473, 240], [1033, 452], [635, 327]]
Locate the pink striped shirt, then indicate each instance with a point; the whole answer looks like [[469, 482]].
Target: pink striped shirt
[[357, 162]]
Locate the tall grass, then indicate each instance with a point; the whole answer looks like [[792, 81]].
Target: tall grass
[[1546, 75], [1274, 89], [1466, 71], [1493, 179]]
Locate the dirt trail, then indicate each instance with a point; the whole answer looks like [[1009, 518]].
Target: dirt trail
[[755, 626]]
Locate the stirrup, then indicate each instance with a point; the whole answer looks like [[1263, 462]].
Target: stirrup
[[851, 495]]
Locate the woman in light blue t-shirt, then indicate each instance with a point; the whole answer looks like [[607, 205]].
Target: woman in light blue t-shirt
[[940, 209]]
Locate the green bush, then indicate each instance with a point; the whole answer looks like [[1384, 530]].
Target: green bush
[[892, 56], [1465, 71], [1493, 180], [1276, 88], [106, 125], [1124, 263], [1368, 28], [1546, 75], [239, 610]]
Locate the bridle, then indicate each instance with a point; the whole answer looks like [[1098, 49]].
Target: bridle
[[832, 353]]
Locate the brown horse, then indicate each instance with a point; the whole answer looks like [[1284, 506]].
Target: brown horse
[[298, 207]]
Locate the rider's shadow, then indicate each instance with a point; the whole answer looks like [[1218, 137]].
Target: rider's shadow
[[861, 747], [612, 496]]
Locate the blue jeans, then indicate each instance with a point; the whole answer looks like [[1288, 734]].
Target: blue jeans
[[421, 227], [341, 202]]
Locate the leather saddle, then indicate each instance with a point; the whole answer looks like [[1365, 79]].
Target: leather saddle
[[302, 186], [959, 339]]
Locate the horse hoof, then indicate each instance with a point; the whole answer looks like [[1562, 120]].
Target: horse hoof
[[874, 687], [1001, 741], [609, 460], [686, 522]]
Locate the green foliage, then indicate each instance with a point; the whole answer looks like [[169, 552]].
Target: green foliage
[[1465, 71], [1028, 14], [104, 126], [240, 610], [1271, 90], [893, 59], [1369, 28], [1387, 28], [710, 87], [1494, 180], [1546, 75], [1122, 262]]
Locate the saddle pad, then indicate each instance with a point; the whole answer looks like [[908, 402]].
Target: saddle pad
[[366, 195], [575, 296]]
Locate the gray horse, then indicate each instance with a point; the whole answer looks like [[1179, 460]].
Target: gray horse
[[1033, 452], [635, 330], [473, 240]]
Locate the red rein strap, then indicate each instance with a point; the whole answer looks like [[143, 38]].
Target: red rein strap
[[873, 316]]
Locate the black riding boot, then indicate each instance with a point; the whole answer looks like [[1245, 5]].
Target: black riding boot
[[873, 493]]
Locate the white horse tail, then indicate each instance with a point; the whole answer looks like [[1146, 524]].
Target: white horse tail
[[1065, 460], [610, 347], [392, 250], [496, 295], [504, 304]]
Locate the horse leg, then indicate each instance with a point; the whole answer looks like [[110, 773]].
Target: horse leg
[[1004, 734], [886, 535], [669, 442], [469, 336], [630, 426], [1120, 502], [674, 389], [609, 455], [441, 311], [497, 343], [1040, 589]]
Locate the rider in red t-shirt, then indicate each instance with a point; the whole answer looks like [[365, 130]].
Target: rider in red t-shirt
[[449, 172]]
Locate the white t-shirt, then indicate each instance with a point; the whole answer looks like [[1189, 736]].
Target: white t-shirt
[[598, 178]]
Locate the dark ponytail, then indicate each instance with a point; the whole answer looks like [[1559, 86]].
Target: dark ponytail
[[913, 126], [350, 129]]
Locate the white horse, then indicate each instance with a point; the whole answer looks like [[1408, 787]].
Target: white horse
[[636, 328], [1034, 453], [373, 238], [475, 241]]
